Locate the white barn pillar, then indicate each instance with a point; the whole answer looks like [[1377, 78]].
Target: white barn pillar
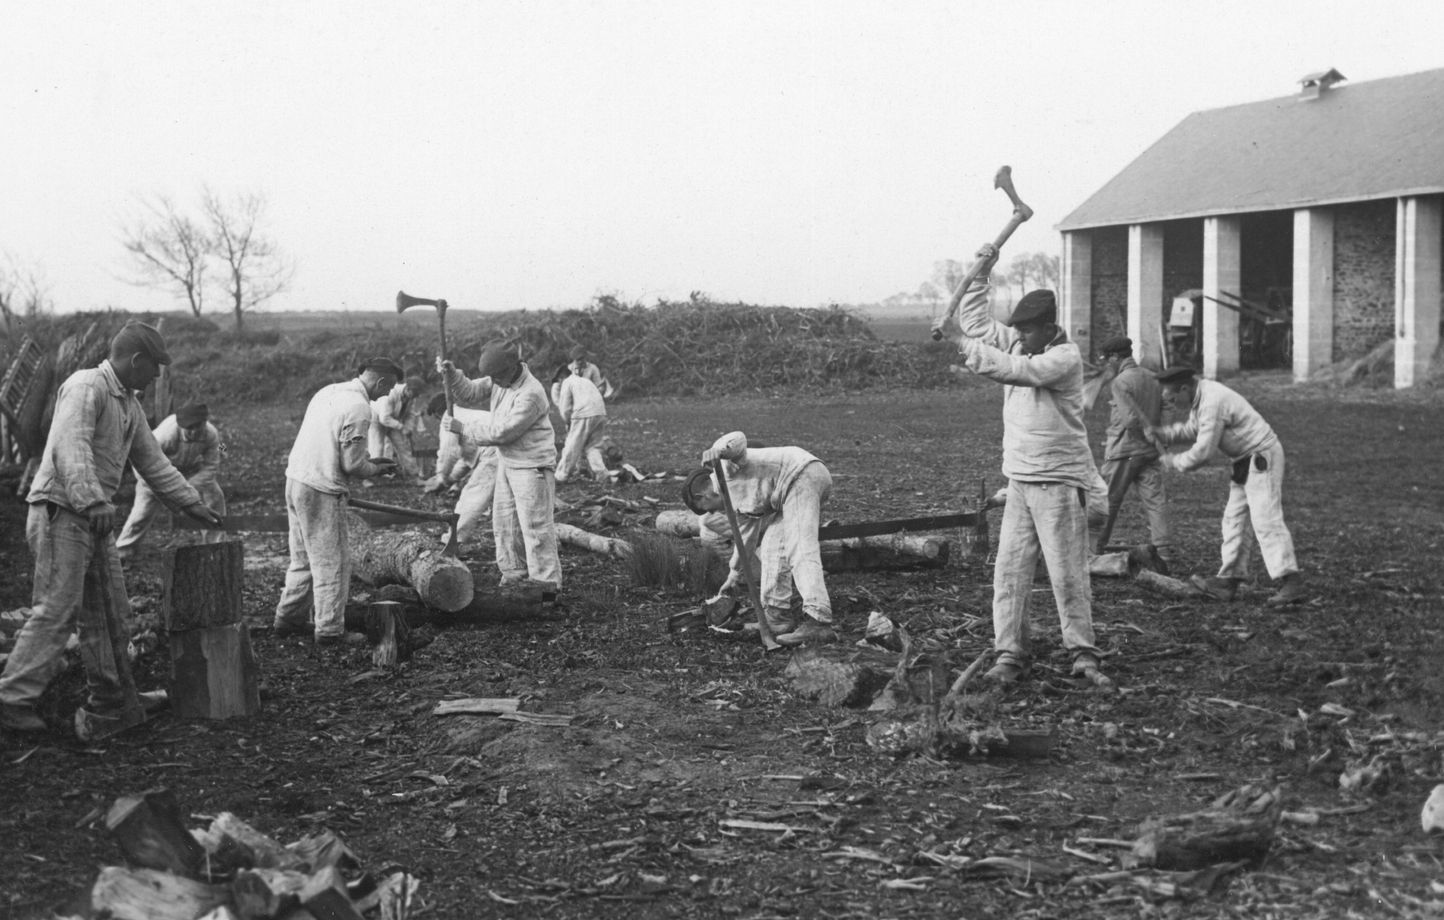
[[1145, 291], [1416, 287], [1222, 271], [1075, 313], [1313, 292]]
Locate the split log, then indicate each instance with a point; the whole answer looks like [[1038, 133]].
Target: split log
[[1163, 584], [267, 892], [325, 849], [326, 898], [893, 551], [148, 894], [840, 675], [1110, 565], [382, 557], [202, 586], [607, 546], [152, 834], [234, 844], [214, 674], [387, 630], [1243, 830]]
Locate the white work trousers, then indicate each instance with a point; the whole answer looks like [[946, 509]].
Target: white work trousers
[[1048, 518], [789, 552], [522, 522], [1259, 501], [319, 576], [1151, 494], [474, 502], [147, 506], [584, 440], [70, 583], [394, 444]]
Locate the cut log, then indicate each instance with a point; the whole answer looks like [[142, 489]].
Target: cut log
[[152, 834], [148, 894], [202, 586], [387, 630], [839, 675], [381, 557], [323, 850], [607, 546], [214, 674], [1163, 584], [326, 898], [1243, 830], [679, 522], [477, 706], [894, 551], [1110, 565], [264, 893], [234, 844]]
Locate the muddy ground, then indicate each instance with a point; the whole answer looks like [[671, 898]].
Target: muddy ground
[[638, 808]]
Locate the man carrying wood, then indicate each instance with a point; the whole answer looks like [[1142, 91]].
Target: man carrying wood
[[521, 431], [585, 414], [1128, 448], [98, 427], [1048, 464], [396, 416], [778, 494], [329, 452], [1221, 421], [193, 446]]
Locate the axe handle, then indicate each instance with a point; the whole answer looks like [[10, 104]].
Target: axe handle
[[744, 554], [1122, 480], [445, 380], [1014, 222]]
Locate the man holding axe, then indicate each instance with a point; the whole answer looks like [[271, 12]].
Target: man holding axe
[[1130, 453]]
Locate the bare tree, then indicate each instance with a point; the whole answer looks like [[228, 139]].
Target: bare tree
[[169, 250], [1037, 267], [256, 269], [23, 291]]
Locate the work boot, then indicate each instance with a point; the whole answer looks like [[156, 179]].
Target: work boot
[[1291, 590], [1006, 671], [811, 632], [21, 717], [283, 629], [1220, 589], [780, 621]]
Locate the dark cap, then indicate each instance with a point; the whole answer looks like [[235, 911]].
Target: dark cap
[[138, 337], [1036, 306], [578, 352], [1118, 345], [700, 481], [498, 359], [1180, 373], [194, 414], [383, 366]]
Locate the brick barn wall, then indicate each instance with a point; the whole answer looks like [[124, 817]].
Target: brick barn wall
[[1110, 283], [1363, 277]]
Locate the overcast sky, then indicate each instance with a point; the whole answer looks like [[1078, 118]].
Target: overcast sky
[[534, 154]]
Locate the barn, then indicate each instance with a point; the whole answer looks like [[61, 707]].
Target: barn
[[1292, 233]]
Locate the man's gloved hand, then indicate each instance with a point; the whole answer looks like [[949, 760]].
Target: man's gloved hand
[[200, 512], [102, 518]]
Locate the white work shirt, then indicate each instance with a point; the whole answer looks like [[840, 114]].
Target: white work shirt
[[199, 460], [521, 424], [578, 398], [331, 444], [758, 477], [1221, 421]]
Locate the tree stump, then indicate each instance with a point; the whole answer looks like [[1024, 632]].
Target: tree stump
[[202, 586], [381, 557]]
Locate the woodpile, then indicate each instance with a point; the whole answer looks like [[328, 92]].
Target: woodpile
[[229, 870]]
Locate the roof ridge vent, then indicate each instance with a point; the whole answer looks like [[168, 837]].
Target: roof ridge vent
[[1312, 86]]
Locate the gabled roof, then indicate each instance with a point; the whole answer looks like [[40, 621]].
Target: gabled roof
[[1378, 139]]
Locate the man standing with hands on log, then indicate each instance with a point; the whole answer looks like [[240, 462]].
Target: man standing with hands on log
[[1220, 420], [329, 452], [193, 446], [780, 492], [520, 429], [1048, 464], [99, 427], [1128, 444]]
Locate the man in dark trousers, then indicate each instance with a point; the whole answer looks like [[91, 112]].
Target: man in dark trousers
[[1128, 448]]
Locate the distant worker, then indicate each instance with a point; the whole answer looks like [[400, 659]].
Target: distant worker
[[1221, 421], [1049, 467], [585, 414], [780, 492], [328, 455], [396, 418], [193, 446], [520, 429], [583, 367], [1128, 446], [99, 427]]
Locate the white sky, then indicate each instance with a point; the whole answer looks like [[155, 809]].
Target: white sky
[[533, 154]]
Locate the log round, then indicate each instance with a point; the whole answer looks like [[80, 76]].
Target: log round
[[386, 557]]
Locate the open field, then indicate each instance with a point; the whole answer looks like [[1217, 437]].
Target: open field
[[632, 810]]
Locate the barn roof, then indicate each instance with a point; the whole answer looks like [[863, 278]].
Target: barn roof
[[1378, 139]]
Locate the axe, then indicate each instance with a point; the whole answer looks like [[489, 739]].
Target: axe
[[405, 301], [1021, 212]]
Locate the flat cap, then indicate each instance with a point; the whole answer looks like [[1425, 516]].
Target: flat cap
[[498, 359], [1180, 373], [698, 482], [1118, 345], [193, 414], [383, 366], [138, 337], [1035, 306]]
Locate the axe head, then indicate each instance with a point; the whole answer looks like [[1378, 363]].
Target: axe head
[[404, 301], [1003, 179]]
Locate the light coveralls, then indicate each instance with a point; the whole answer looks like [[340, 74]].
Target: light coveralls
[[98, 428], [522, 509], [585, 413], [1222, 421], [479, 491], [330, 449], [1050, 472], [589, 371], [198, 457], [395, 418], [778, 493], [1126, 439]]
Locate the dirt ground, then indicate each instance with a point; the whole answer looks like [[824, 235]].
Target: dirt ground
[[639, 807]]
